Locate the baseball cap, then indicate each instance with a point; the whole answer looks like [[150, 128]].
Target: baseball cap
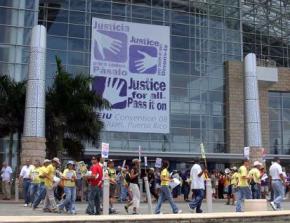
[[257, 163], [55, 159]]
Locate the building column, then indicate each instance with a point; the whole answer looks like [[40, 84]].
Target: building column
[[33, 141], [252, 109]]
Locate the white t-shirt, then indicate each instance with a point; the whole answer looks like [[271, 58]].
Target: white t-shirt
[[275, 171], [25, 171], [196, 181], [6, 173]]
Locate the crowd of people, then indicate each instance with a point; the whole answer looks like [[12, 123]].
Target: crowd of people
[[44, 182]]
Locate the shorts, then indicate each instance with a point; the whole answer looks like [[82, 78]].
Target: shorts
[[264, 189], [112, 190]]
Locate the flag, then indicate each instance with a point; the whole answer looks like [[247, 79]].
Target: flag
[[202, 151]]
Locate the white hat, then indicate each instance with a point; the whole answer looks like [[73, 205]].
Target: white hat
[[257, 163], [55, 159], [234, 168], [227, 170], [70, 162], [46, 161]]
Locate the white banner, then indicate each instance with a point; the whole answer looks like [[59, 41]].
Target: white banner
[[130, 65]]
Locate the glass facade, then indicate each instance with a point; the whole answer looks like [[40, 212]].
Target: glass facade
[[203, 36], [279, 119], [16, 20], [266, 30]]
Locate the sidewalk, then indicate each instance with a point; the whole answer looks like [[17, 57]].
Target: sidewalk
[[12, 208]]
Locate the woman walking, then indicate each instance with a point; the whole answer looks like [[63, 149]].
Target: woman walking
[[134, 187], [165, 193]]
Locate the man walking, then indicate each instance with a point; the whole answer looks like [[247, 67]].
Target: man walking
[[243, 189], [6, 176], [25, 179], [278, 183], [41, 192], [49, 174], [95, 186], [255, 177], [35, 183], [197, 186], [113, 184]]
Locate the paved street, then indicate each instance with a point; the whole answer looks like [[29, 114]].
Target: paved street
[[17, 209]]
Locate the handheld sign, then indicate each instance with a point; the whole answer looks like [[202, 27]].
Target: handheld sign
[[145, 161], [158, 162], [105, 150], [140, 153], [247, 152], [124, 163], [202, 151]]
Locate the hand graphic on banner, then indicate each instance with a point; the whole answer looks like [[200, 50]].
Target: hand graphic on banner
[[145, 63], [108, 43], [112, 90]]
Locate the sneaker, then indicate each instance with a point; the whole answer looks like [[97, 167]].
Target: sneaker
[[126, 209], [178, 212], [25, 205], [273, 205], [199, 211], [190, 207]]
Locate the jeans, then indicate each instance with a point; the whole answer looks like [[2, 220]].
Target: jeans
[[242, 193], [33, 191], [279, 190], [26, 190], [124, 193], [69, 200], [40, 195], [93, 200], [256, 191], [197, 201], [165, 194]]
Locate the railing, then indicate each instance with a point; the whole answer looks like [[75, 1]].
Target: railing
[[266, 62]]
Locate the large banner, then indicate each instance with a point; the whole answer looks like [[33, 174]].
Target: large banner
[[130, 66]]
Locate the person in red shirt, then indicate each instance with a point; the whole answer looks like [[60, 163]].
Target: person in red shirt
[[95, 187]]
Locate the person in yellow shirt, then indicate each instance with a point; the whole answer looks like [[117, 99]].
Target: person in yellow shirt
[[243, 189], [113, 185], [49, 178], [41, 192], [69, 177], [234, 183], [255, 180], [34, 175], [165, 193]]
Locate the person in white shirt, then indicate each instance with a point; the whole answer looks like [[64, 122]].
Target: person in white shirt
[[25, 179], [278, 183], [6, 176], [197, 186]]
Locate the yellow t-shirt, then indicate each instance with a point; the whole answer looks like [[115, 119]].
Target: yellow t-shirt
[[255, 174], [41, 171], [164, 174], [243, 172], [49, 173], [69, 174], [235, 179], [34, 174]]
